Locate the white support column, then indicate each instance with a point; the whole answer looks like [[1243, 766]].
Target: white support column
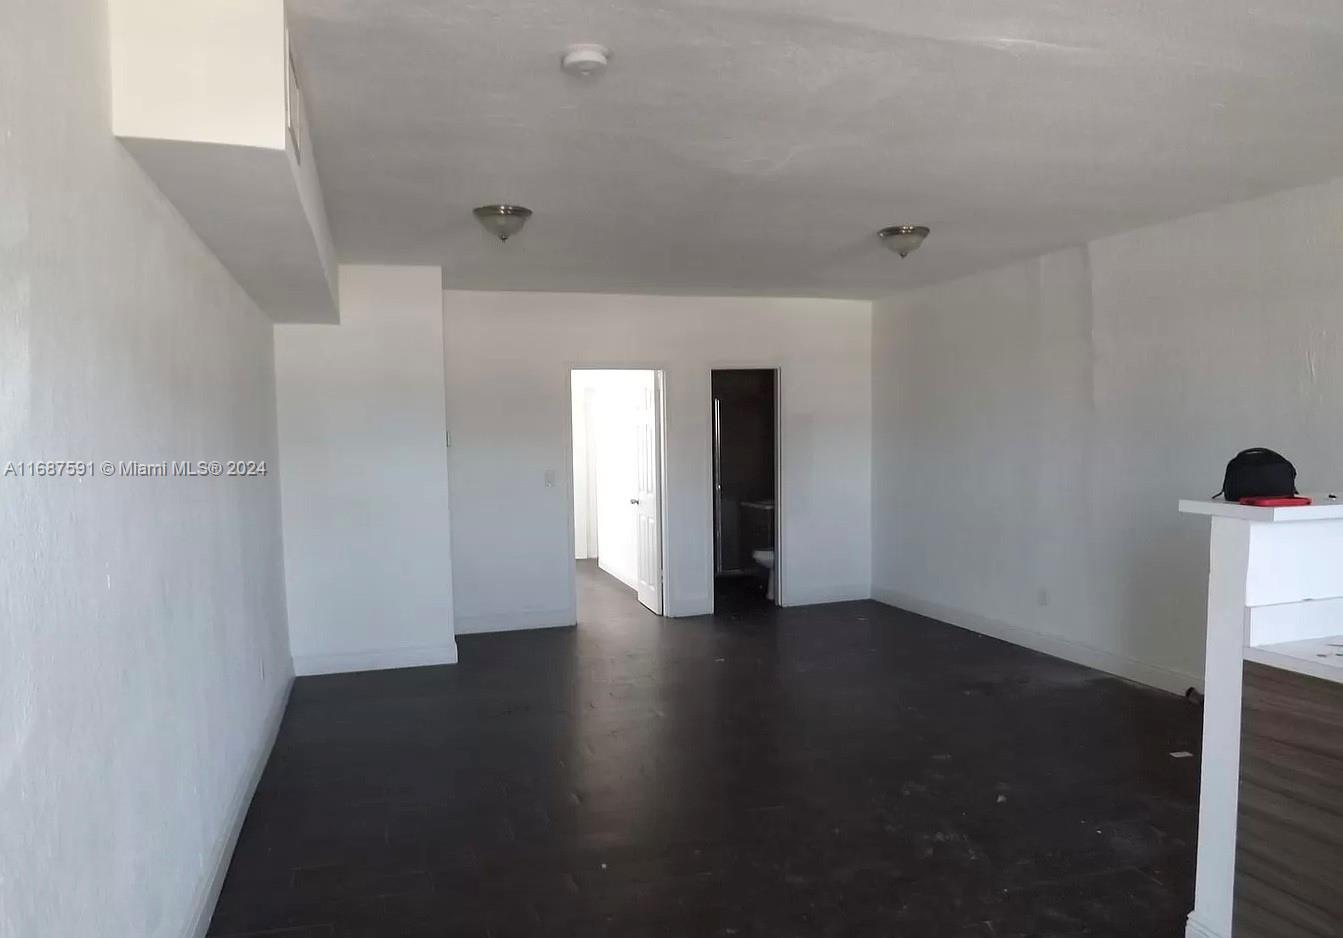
[[361, 415], [1229, 556]]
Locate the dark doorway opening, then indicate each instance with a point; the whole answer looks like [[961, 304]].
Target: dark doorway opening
[[745, 483]]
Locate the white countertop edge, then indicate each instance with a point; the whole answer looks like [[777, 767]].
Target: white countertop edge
[[1322, 508]]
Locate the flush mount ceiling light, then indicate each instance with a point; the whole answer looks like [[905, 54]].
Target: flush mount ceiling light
[[502, 221], [902, 239], [585, 59]]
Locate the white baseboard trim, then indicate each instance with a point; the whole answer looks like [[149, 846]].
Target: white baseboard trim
[[1194, 928], [305, 665], [237, 812], [516, 621], [687, 607], [828, 594], [1167, 679]]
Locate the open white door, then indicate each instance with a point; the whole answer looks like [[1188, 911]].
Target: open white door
[[648, 443]]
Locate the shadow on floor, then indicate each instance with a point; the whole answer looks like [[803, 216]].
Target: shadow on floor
[[741, 596]]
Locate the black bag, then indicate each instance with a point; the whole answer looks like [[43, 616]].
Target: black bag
[[1258, 472]]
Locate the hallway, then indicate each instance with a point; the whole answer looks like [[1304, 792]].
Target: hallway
[[608, 610], [846, 770]]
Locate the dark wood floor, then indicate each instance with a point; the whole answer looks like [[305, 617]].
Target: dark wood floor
[[845, 770]]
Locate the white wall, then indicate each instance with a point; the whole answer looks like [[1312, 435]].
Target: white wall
[[199, 96], [1035, 425], [612, 432], [364, 477], [143, 650], [605, 455], [585, 469], [508, 362], [211, 71]]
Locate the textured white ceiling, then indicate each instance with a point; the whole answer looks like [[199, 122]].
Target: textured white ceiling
[[755, 146]]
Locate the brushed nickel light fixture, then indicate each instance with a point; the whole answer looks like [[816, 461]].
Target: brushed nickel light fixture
[[903, 239], [502, 221], [585, 59]]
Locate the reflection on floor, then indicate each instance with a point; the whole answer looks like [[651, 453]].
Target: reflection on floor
[[846, 770]]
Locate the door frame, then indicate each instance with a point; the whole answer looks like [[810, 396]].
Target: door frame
[[659, 371], [776, 367]]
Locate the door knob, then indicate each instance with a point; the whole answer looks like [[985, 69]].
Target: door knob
[[634, 501]]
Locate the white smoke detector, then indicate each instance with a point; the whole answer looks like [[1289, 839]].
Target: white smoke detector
[[585, 59]]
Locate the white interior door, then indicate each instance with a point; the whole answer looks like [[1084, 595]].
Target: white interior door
[[648, 498]]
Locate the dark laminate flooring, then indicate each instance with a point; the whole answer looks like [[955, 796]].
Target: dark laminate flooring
[[845, 770]]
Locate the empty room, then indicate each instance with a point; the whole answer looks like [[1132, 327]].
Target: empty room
[[563, 467]]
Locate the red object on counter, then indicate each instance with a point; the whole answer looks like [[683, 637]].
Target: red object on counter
[[1276, 501]]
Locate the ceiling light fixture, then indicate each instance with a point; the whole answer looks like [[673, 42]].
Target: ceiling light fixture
[[585, 59], [502, 221], [903, 239]]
